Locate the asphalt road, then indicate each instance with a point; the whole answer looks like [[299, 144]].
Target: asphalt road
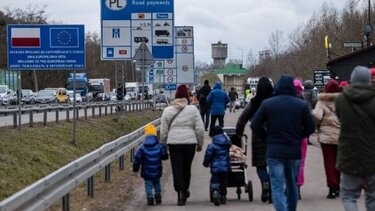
[[313, 192]]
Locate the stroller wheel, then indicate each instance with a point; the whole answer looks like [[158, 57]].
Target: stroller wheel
[[238, 191], [250, 190]]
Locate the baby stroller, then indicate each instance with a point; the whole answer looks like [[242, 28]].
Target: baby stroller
[[237, 177]]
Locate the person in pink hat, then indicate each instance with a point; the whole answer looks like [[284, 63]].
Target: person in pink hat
[[301, 176]]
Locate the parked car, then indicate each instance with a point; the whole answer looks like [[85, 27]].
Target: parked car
[[78, 97], [161, 98], [28, 96], [46, 96], [10, 98]]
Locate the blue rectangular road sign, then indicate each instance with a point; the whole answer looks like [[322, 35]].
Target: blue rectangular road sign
[[126, 24], [46, 47], [170, 86]]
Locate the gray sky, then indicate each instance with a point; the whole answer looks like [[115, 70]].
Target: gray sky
[[242, 24]]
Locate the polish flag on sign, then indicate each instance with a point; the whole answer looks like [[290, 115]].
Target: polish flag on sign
[[25, 37]]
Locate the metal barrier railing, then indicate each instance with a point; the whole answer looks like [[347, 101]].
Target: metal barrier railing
[[128, 107], [46, 191]]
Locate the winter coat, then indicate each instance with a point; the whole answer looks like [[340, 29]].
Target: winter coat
[[325, 114], [187, 127], [203, 93], [149, 156], [309, 94], [218, 100], [287, 119], [232, 95], [217, 154], [356, 148], [258, 144]]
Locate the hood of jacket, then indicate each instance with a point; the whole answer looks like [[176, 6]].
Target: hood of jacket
[[150, 141], [285, 86], [179, 103], [330, 97], [221, 140], [359, 93], [217, 85]]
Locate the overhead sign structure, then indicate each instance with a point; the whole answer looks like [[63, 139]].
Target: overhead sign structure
[[46, 47], [179, 70], [126, 24], [185, 55]]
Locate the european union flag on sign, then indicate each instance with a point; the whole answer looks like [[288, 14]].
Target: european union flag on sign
[[64, 37]]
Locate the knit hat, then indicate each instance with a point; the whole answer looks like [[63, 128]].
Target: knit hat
[[360, 74], [206, 82], [298, 85], [216, 130], [332, 87], [372, 70], [150, 130], [182, 92], [344, 84]]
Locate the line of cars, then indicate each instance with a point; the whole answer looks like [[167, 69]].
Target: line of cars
[[45, 96]]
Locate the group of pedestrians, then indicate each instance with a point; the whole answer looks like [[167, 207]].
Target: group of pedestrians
[[281, 118]]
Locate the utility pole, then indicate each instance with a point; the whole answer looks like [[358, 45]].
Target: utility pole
[[369, 24]]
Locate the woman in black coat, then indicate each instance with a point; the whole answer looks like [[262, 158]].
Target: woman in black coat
[[258, 144]]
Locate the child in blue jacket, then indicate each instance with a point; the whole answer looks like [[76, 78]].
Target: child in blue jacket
[[149, 156], [217, 157]]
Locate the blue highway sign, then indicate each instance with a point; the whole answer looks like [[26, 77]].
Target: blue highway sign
[[127, 24], [46, 47]]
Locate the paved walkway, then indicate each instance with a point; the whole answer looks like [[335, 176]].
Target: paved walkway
[[313, 192]]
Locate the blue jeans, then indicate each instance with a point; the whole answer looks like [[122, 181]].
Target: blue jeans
[[283, 176], [351, 187], [152, 184]]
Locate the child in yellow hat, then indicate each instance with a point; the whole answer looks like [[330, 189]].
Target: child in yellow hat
[[149, 155]]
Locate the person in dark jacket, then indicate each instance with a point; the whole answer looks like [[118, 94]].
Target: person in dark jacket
[[233, 96], [203, 105], [217, 157], [218, 99], [309, 94], [264, 90], [149, 156], [287, 119], [355, 109]]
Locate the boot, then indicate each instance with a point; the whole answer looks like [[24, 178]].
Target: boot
[[337, 191], [223, 200], [150, 201], [158, 198], [332, 193], [265, 192], [216, 198], [181, 198], [187, 193]]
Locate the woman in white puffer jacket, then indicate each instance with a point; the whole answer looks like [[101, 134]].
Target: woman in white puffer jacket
[[325, 115], [184, 137]]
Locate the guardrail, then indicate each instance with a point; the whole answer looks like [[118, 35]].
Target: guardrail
[[108, 107], [46, 191]]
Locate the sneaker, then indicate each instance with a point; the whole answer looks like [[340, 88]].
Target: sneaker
[[265, 192], [158, 198], [150, 201], [216, 198], [331, 194]]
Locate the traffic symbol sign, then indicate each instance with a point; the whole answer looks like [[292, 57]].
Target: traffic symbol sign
[[170, 71], [185, 68], [170, 79], [184, 41], [170, 61], [184, 48], [143, 55]]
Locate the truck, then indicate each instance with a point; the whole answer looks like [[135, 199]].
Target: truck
[[100, 88], [134, 90], [81, 82]]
